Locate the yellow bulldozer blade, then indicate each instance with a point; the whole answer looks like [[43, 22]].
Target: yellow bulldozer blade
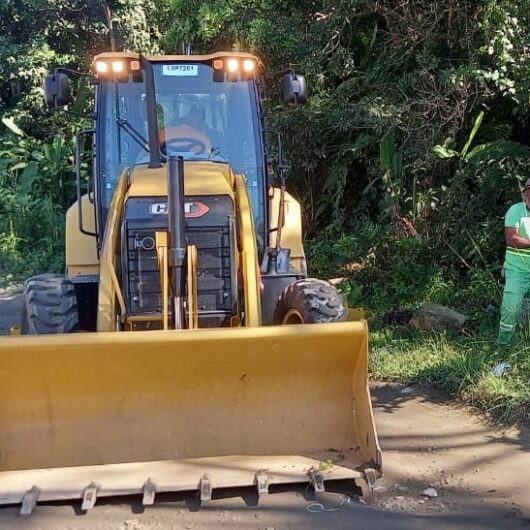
[[103, 414]]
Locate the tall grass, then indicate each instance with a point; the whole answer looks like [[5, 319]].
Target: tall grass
[[461, 366]]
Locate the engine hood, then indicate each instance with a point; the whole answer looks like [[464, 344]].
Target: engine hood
[[200, 178]]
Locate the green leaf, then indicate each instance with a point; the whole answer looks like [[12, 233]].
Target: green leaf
[[48, 152], [82, 95], [398, 165], [20, 165], [368, 49], [12, 126], [362, 141], [476, 151], [28, 176], [387, 151], [498, 150], [370, 186], [443, 152], [476, 127]]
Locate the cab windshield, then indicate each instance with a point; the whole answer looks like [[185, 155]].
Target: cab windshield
[[198, 118]]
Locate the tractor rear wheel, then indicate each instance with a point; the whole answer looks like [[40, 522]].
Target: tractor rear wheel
[[310, 301], [49, 305]]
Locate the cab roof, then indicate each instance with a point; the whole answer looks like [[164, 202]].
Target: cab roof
[[179, 58]]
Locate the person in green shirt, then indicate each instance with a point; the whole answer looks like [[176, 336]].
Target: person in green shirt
[[516, 265]]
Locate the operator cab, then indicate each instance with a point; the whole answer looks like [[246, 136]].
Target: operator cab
[[207, 109]]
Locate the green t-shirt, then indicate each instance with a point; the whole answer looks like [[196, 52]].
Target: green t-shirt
[[518, 216]]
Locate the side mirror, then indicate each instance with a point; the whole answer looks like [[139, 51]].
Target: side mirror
[[57, 90], [294, 88]]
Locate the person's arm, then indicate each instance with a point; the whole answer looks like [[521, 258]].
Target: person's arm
[[514, 240]]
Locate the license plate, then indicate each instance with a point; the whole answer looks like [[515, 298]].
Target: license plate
[[182, 70]]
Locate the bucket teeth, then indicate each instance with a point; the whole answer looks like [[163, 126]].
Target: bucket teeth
[[149, 492], [316, 479], [89, 497], [205, 488], [29, 501], [262, 483], [370, 475]]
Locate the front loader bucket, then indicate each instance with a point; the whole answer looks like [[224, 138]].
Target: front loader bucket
[[108, 414]]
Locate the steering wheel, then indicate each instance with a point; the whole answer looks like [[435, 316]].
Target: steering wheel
[[184, 144]]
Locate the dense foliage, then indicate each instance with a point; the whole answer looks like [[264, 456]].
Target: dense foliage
[[36, 146], [405, 158]]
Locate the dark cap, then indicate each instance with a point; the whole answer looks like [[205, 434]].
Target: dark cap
[[526, 184]]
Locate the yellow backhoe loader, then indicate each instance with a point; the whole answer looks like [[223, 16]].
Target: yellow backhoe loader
[[184, 348]]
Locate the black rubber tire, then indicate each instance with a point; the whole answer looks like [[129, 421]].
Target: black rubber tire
[[49, 305], [310, 301]]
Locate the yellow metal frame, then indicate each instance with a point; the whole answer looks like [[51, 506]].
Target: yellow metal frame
[[356, 313], [109, 287], [291, 230], [146, 182], [80, 249], [163, 267], [249, 255], [193, 297]]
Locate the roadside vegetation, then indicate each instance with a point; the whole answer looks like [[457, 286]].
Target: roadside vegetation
[[462, 364], [405, 159]]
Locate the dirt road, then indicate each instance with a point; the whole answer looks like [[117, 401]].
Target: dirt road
[[481, 476], [10, 309]]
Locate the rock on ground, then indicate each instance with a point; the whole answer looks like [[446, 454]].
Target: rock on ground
[[436, 317]]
